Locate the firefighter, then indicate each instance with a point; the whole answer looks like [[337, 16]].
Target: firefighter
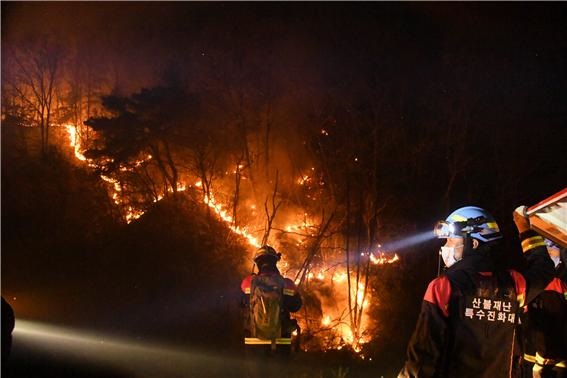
[[469, 314], [8, 322], [544, 326], [268, 300]]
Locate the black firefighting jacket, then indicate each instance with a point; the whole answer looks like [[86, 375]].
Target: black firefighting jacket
[[469, 316], [544, 326]]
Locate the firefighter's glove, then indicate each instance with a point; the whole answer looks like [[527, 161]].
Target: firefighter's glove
[[521, 219]]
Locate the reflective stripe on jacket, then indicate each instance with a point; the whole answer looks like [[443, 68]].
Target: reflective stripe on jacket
[[257, 341], [539, 360]]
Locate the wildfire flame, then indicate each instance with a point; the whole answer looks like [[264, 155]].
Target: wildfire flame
[[383, 259], [131, 213], [333, 319], [74, 142], [223, 215]]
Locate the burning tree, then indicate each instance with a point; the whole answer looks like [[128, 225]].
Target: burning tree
[[135, 145]]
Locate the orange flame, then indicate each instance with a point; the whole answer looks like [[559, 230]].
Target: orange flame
[[383, 259], [224, 216]]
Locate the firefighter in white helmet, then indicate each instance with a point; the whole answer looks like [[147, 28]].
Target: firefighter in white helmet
[[469, 315]]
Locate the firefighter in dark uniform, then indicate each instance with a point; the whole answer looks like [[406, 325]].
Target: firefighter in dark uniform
[[8, 323], [258, 346], [544, 326], [469, 315]]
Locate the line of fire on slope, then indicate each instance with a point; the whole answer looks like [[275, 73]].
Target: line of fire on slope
[[333, 318]]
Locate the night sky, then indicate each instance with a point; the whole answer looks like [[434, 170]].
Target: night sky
[[513, 52], [508, 58], [467, 96]]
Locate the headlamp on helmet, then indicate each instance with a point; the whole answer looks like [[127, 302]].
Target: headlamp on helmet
[[470, 221], [444, 229]]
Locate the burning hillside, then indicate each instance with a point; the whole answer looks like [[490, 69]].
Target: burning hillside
[[336, 284]]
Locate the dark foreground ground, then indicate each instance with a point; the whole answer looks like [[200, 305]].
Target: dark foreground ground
[[47, 351]]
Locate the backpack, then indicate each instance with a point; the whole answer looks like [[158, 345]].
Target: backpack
[[266, 306]]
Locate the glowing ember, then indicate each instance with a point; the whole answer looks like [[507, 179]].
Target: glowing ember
[[133, 214], [383, 259], [303, 180]]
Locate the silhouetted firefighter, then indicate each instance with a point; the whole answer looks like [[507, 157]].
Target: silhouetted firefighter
[[268, 299], [8, 322], [544, 325]]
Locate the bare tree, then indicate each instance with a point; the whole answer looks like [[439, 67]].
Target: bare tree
[[271, 213], [34, 78]]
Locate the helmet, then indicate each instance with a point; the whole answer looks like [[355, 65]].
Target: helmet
[[266, 252], [469, 221], [554, 251]]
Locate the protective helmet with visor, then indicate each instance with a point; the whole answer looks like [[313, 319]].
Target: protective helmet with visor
[[463, 223], [469, 221], [554, 251]]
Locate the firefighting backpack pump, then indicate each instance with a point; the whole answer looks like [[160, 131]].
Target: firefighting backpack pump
[[266, 301]]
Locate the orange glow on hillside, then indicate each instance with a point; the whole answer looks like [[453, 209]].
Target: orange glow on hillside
[[300, 228]]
